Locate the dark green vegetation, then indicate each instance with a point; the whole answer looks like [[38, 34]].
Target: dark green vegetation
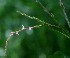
[[43, 42]]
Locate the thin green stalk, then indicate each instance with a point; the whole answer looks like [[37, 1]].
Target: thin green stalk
[[44, 23], [64, 12]]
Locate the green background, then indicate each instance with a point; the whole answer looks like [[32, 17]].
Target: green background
[[40, 42]]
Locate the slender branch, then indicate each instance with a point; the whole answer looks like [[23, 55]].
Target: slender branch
[[17, 33], [61, 33], [37, 26], [44, 23], [6, 46], [52, 15], [47, 11], [48, 24], [30, 28], [64, 12]]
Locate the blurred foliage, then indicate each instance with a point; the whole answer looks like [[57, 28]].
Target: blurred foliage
[[37, 43]]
